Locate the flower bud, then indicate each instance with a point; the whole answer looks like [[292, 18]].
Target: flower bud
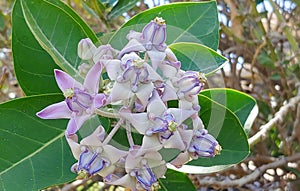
[[204, 145], [154, 34], [86, 49]]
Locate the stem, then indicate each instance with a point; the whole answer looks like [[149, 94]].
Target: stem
[[129, 136], [107, 114], [113, 131], [132, 100]]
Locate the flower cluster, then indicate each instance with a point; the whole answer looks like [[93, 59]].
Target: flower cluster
[[145, 76]]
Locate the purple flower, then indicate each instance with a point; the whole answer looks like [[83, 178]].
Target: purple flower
[[133, 76], [80, 100], [160, 124], [94, 157], [154, 34], [142, 171], [88, 51], [153, 37], [204, 145], [189, 84]]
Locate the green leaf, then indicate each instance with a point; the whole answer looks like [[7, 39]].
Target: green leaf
[[104, 39], [197, 57], [176, 181], [2, 21], [241, 104], [226, 127], [186, 22], [45, 36], [34, 152], [121, 7]]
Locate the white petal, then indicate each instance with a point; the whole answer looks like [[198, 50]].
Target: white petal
[[113, 68], [139, 121], [120, 91], [94, 138], [156, 105], [75, 147], [181, 114], [144, 93]]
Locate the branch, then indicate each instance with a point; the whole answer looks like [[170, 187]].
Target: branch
[[251, 177], [261, 134]]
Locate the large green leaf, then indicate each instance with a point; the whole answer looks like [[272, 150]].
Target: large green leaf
[[197, 57], [176, 181], [241, 104], [226, 127], [45, 36], [34, 153], [186, 22]]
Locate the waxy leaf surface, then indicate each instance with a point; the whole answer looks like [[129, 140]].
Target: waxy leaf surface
[[197, 57], [176, 181], [45, 36], [241, 104], [186, 22], [34, 152]]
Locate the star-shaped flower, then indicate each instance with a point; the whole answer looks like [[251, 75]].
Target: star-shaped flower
[[81, 100], [161, 125], [132, 76], [94, 157], [142, 171]]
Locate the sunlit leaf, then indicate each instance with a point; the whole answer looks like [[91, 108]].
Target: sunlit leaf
[[241, 104], [186, 22], [197, 57], [45, 36]]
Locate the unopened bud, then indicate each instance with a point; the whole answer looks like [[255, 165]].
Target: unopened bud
[[86, 49]]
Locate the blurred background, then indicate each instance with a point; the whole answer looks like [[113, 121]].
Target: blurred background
[[261, 40]]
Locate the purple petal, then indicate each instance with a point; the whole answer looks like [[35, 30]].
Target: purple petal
[[65, 81], [153, 76], [132, 46], [91, 82], [169, 93], [55, 111], [99, 100], [75, 123], [160, 35]]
